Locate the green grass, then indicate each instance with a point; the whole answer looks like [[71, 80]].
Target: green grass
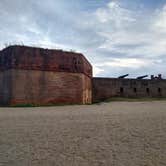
[[46, 105], [113, 99], [42, 105], [134, 99], [24, 105]]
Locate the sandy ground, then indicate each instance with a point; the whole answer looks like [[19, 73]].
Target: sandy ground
[[109, 134]]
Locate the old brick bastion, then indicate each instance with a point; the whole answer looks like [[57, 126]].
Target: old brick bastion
[[42, 76], [38, 76]]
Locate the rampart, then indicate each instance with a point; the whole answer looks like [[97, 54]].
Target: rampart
[[40, 76], [105, 88], [43, 76]]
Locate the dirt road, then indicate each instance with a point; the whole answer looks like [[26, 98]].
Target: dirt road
[[109, 134]]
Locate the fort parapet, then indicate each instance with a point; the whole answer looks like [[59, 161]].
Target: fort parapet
[[40, 76], [105, 88], [43, 76]]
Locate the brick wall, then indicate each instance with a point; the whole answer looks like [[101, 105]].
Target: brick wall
[[43, 87], [5, 87], [40, 76], [105, 88], [87, 89], [30, 58]]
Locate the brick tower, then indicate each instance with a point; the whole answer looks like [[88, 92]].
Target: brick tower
[[39, 76]]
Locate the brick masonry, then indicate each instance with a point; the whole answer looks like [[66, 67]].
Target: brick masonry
[[31, 75], [40, 76], [30, 58], [105, 88]]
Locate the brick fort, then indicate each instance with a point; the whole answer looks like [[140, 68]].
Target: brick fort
[[38, 76], [41, 76]]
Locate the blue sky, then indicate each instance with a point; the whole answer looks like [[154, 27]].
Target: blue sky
[[117, 37]]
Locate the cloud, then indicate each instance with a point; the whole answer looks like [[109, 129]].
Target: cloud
[[115, 37], [115, 14], [125, 38], [160, 22], [126, 63], [97, 70]]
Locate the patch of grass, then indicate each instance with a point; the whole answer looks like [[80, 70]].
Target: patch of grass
[[43, 105], [24, 105], [134, 99]]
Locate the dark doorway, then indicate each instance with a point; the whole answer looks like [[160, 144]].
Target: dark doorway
[[147, 91], [121, 90], [159, 91]]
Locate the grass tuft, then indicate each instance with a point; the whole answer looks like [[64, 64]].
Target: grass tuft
[[135, 99]]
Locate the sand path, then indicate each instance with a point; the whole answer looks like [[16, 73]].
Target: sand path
[[109, 134]]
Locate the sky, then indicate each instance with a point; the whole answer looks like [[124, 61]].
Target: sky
[[117, 36]]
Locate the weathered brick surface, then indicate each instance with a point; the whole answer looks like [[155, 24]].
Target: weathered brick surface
[[43, 87], [87, 89], [105, 88], [41, 76], [30, 58], [5, 87]]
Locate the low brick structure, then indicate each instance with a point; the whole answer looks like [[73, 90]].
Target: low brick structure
[[105, 88], [31, 75]]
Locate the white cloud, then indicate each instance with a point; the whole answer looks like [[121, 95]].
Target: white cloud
[[128, 38], [114, 13], [160, 22], [112, 36], [126, 63], [138, 38], [97, 70]]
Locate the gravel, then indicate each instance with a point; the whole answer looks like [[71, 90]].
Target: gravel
[[106, 134]]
